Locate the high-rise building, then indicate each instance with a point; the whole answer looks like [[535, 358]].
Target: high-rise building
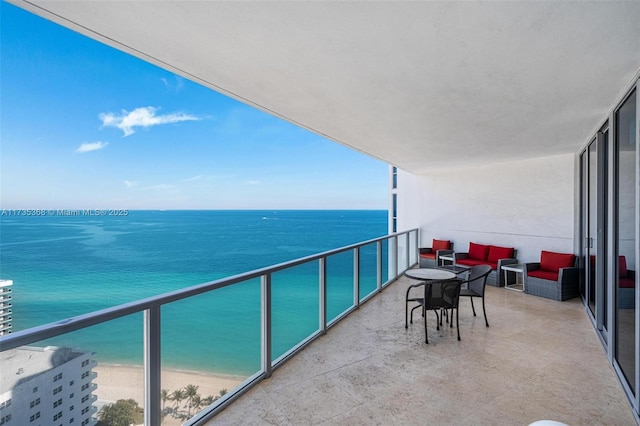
[[5, 306], [47, 386]]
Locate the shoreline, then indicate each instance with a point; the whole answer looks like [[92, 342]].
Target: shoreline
[[120, 381]]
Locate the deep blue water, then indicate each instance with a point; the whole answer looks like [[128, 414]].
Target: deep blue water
[[67, 266]]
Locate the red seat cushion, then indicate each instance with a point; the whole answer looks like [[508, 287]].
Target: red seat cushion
[[622, 267], [474, 262], [428, 255], [441, 245], [496, 253], [478, 251], [545, 275], [552, 262], [627, 283]]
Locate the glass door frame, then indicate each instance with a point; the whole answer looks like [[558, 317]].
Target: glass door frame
[[597, 242]]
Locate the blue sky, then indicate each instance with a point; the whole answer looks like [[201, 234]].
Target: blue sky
[[86, 126]]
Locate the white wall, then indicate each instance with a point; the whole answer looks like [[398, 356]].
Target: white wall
[[527, 204]]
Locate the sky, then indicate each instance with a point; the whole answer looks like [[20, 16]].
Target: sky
[[85, 126]]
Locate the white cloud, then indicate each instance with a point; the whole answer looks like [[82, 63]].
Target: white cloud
[[127, 121], [175, 86], [191, 179], [91, 146], [130, 184], [254, 182], [160, 187]]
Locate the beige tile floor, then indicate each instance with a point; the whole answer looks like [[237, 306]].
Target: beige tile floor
[[539, 359]]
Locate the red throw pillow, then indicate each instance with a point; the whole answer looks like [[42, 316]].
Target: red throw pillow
[[478, 251], [496, 253], [441, 245], [551, 261], [622, 266]]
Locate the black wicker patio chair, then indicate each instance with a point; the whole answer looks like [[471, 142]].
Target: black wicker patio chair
[[477, 281], [437, 296]]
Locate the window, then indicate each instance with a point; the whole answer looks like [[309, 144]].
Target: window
[[71, 395], [57, 377], [71, 383], [395, 178], [57, 403], [57, 390], [35, 389], [85, 363], [57, 416], [85, 386]]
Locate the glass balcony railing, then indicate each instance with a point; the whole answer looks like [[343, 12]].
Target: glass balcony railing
[[271, 313]]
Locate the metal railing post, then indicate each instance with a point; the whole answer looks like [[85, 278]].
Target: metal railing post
[[407, 251], [379, 265], [152, 367], [395, 256], [356, 276], [265, 301], [322, 274]]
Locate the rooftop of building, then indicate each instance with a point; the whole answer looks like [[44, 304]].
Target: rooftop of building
[[27, 362]]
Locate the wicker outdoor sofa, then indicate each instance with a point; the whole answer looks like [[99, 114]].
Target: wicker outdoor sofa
[[494, 256]]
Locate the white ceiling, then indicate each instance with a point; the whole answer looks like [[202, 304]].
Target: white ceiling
[[421, 85]]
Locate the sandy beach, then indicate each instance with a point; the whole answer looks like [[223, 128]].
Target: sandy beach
[[124, 382]]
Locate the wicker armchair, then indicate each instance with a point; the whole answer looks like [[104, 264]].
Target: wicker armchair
[[555, 277], [430, 256]]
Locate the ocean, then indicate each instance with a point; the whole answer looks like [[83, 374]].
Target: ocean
[[64, 266]]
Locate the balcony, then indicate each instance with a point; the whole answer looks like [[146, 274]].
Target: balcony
[[365, 270], [539, 359]]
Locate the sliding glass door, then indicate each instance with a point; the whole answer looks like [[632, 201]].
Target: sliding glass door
[[626, 239], [593, 167]]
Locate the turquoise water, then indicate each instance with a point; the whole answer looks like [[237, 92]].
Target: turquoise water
[[67, 266]]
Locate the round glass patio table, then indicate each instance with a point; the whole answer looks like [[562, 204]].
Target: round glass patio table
[[429, 274]]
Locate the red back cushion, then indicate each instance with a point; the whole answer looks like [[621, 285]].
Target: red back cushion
[[478, 251], [622, 266], [441, 245], [496, 253], [551, 261]]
